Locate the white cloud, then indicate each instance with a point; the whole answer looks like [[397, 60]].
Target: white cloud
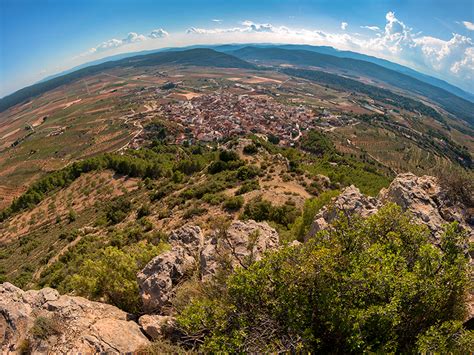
[[450, 59], [216, 20], [468, 25], [372, 28], [132, 37], [158, 33]]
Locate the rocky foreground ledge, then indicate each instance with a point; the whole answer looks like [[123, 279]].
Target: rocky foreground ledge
[[45, 322], [63, 324]]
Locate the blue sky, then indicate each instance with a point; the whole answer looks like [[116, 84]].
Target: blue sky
[[42, 37]]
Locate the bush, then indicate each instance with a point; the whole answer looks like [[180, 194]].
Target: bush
[[228, 155], [111, 276], [365, 286], [248, 172], [118, 210], [234, 203], [317, 143], [144, 210], [44, 327], [262, 210], [248, 186], [250, 149]]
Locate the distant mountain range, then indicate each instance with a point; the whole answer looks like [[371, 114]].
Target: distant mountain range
[[226, 48], [354, 65], [197, 57], [452, 103]]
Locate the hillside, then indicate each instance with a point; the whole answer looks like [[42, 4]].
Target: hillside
[[460, 108], [197, 57], [183, 237]]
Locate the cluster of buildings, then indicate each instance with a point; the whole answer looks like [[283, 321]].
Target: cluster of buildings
[[214, 116]]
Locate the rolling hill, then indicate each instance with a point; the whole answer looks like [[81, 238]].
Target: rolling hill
[[455, 105], [197, 57]]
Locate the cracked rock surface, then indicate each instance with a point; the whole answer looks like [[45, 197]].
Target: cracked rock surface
[[45, 322]]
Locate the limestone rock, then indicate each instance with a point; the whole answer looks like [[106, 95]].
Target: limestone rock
[[73, 324], [156, 326], [421, 196], [243, 243], [349, 202], [159, 277], [425, 200]]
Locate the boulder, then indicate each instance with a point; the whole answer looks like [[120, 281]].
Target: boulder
[[159, 277], [45, 322], [241, 244], [349, 202], [422, 196], [156, 326]]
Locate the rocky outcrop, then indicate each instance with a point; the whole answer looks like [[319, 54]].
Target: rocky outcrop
[[45, 322], [421, 196], [159, 277], [349, 202], [240, 244], [425, 200], [156, 326]]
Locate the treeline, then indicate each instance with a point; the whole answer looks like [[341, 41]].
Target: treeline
[[144, 164], [339, 83]]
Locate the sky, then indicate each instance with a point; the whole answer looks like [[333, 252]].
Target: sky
[[39, 38]]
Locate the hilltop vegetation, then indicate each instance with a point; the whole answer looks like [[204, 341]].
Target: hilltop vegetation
[[374, 285]]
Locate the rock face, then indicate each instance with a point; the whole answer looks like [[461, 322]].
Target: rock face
[[162, 273], [241, 243], [45, 322], [421, 196], [349, 202], [156, 326]]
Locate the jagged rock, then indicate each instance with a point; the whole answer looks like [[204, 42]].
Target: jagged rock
[[242, 243], [156, 326], [425, 200], [421, 196], [161, 274], [350, 201], [75, 324]]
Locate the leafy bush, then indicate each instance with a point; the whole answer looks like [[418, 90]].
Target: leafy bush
[[262, 210], [317, 143], [376, 285], [44, 327], [118, 210], [111, 275], [248, 186], [234, 203], [248, 172], [250, 149]]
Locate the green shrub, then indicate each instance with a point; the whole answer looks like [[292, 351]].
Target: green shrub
[[248, 186], [365, 286], [118, 210], [250, 149], [247, 172], [44, 327], [234, 203], [317, 143]]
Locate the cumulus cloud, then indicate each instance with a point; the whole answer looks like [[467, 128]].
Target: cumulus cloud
[[468, 25], [158, 33], [132, 37], [451, 59], [372, 28]]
